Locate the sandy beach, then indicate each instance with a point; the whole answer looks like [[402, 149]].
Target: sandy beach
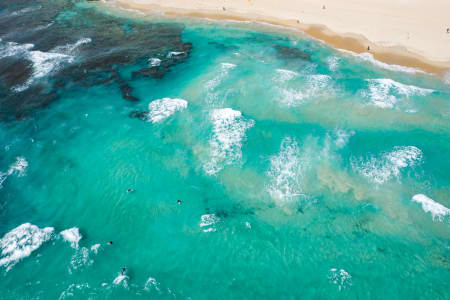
[[410, 33]]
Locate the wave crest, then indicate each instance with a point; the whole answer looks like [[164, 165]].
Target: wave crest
[[389, 165], [163, 108], [226, 142], [437, 210], [21, 242]]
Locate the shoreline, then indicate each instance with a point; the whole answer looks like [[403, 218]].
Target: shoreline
[[356, 43]]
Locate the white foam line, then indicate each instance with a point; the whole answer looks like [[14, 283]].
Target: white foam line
[[385, 92], [437, 210], [365, 56]]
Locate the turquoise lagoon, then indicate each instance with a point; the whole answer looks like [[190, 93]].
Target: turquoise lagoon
[[303, 172]]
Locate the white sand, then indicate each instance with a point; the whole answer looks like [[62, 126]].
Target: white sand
[[405, 32]]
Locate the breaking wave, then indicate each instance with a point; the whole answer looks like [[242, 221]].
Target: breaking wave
[[226, 142], [437, 210], [385, 93], [21, 242], [43, 63], [389, 164], [163, 108], [72, 235]]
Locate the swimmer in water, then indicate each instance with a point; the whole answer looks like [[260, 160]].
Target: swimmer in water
[[130, 190], [179, 201], [123, 271], [110, 243]]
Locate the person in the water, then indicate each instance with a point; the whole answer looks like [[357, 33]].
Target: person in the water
[[124, 270], [130, 190], [179, 201], [110, 243]]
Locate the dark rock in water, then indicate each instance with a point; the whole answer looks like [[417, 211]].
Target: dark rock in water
[[57, 27], [173, 57], [125, 88], [222, 46], [141, 115], [155, 72], [292, 53], [126, 92], [179, 56], [15, 71], [21, 105]]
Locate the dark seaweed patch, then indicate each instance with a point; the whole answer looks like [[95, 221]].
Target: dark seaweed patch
[[292, 53], [48, 25], [14, 71]]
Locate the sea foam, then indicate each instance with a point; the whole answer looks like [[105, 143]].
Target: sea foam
[[333, 62], [342, 137], [314, 86], [72, 235], [208, 221], [226, 142], [387, 165], [437, 210], [340, 277], [43, 63], [152, 284], [74, 289], [121, 280], [70, 48], [385, 92], [369, 57], [285, 75], [212, 96], [173, 53], [285, 173], [21, 242], [163, 108], [154, 62], [19, 168]]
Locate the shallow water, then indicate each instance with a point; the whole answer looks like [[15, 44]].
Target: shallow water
[[303, 172]]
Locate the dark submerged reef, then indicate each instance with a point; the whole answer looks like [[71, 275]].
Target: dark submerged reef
[[93, 48], [292, 53]]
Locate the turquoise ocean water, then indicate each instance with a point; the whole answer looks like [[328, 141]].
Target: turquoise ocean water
[[303, 172]]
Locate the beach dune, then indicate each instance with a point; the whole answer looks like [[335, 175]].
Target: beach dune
[[404, 32]]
